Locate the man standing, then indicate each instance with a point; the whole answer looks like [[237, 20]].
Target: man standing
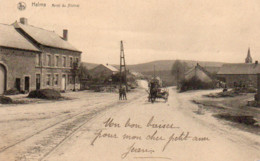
[[124, 92]]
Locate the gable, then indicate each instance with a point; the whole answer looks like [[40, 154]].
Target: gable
[[12, 39]]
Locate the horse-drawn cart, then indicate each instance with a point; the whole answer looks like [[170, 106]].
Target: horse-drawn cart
[[156, 91]]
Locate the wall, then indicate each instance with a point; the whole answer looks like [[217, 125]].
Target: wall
[[60, 70], [19, 64], [23, 63], [245, 79]]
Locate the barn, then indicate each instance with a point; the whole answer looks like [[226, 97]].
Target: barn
[[199, 73], [103, 70], [240, 73], [17, 59]]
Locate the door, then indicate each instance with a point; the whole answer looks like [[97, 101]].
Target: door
[[38, 81], [2, 79], [18, 84], [26, 83], [63, 83]]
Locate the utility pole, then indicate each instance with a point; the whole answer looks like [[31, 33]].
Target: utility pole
[[123, 70], [154, 72]]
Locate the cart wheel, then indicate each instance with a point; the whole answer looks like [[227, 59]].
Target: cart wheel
[[166, 99], [152, 100]]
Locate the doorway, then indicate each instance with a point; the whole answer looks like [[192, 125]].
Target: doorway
[[2, 79], [63, 83], [18, 84], [38, 81], [27, 83]]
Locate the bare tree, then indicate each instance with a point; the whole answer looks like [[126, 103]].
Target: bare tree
[[178, 70]]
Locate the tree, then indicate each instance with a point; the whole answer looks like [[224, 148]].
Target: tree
[[80, 72], [83, 72], [116, 77], [178, 70], [75, 71]]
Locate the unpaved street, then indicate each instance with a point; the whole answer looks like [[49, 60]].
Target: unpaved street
[[98, 127]]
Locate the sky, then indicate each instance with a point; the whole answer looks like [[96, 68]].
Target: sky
[[205, 30]]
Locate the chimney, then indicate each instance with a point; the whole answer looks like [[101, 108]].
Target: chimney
[[24, 21], [256, 62], [65, 34]]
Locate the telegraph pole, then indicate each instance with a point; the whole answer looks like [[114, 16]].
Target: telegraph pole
[[122, 66], [153, 71]]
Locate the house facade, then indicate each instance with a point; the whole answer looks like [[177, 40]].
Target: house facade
[[34, 58]]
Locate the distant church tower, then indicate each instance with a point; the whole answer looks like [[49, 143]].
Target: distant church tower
[[248, 58]]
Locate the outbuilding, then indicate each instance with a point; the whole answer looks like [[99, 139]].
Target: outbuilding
[[244, 74]]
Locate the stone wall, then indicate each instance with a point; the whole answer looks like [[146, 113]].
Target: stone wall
[[245, 79], [18, 65], [59, 70], [21, 64]]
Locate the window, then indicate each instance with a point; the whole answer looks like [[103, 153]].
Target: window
[[71, 61], [48, 60], [71, 79], [38, 59], [56, 60], [77, 60], [56, 79], [64, 61], [48, 80]]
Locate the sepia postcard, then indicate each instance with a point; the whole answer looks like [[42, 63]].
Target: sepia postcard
[[129, 80]]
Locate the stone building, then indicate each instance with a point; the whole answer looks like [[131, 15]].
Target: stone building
[[103, 70], [34, 58], [240, 73]]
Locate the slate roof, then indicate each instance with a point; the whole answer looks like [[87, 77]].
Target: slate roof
[[212, 70], [241, 68], [45, 37], [9, 37], [110, 67]]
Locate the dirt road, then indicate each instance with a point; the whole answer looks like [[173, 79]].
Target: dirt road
[[98, 127]]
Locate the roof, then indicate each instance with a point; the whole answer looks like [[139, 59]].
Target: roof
[[13, 39], [240, 68], [110, 67], [199, 72], [211, 69], [137, 74], [45, 37]]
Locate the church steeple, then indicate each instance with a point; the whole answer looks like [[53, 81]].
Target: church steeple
[[248, 58]]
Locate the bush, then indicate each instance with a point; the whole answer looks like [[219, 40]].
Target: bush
[[242, 119], [5, 100], [45, 94], [195, 84], [12, 91], [245, 90]]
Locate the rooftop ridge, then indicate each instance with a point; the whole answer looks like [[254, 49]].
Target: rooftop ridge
[[37, 27], [5, 24]]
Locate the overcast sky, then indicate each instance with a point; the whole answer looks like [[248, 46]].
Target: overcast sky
[[207, 30]]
